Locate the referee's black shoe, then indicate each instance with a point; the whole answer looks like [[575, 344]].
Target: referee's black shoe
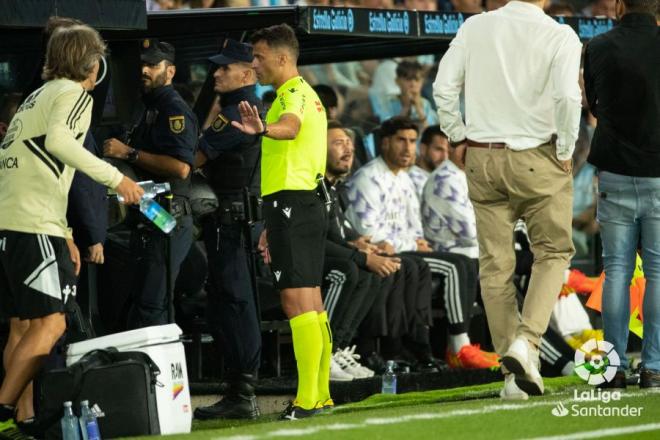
[[239, 402], [293, 412]]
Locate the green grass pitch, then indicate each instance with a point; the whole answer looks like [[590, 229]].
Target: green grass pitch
[[465, 413]]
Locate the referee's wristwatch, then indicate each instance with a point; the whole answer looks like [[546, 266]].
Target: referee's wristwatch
[[132, 156], [264, 132]]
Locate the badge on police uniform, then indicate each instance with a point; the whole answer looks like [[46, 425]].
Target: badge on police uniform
[[177, 124], [219, 123]]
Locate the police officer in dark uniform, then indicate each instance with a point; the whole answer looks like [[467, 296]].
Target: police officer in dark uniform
[[161, 148], [230, 160]]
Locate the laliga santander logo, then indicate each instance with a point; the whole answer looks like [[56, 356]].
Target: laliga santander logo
[[596, 362]]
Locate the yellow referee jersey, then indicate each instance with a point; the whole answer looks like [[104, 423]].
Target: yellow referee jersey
[[295, 164]]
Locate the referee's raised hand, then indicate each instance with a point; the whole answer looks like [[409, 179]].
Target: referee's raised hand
[[251, 122]]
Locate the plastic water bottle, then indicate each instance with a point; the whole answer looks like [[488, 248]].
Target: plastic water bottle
[[151, 209], [157, 214], [88, 424], [151, 189], [389, 379], [70, 428]]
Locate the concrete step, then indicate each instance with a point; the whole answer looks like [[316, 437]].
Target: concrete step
[[269, 404]]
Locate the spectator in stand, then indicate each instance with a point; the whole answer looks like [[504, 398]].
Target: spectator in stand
[[383, 205], [563, 9], [376, 4], [491, 5], [329, 99], [409, 102], [467, 6], [433, 150], [421, 5], [600, 8], [205, 4]]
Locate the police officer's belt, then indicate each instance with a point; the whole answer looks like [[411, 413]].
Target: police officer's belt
[[178, 206]]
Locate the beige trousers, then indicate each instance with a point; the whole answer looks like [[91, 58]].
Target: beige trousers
[[504, 186]]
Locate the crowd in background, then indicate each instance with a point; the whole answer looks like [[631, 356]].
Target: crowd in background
[[591, 8]]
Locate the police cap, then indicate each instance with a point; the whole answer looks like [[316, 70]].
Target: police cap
[[233, 52], [154, 51]]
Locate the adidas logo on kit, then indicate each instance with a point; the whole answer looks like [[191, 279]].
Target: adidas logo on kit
[[68, 291]]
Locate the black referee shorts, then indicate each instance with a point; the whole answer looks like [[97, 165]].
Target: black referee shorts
[[36, 275], [296, 222]]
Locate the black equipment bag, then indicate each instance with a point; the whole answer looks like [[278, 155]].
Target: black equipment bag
[[122, 384]]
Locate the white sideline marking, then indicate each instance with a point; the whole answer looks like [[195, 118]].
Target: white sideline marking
[[296, 432], [603, 432]]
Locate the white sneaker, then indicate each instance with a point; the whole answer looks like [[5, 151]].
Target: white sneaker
[[337, 373], [366, 372], [510, 391], [524, 364], [341, 361], [349, 364]]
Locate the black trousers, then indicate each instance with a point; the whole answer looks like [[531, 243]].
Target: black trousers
[[149, 291], [402, 306], [231, 309], [459, 275], [376, 321], [346, 290], [416, 275]]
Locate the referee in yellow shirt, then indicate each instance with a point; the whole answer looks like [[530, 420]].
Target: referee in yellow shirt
[[293, 157]]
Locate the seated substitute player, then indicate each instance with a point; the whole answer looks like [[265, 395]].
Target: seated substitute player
[[383, 205]]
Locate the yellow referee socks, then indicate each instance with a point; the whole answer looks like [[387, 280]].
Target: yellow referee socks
[[326, 354], [307, 346]]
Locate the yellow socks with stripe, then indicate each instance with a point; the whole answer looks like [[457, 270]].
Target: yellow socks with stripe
[[326, 355], [307, 346]]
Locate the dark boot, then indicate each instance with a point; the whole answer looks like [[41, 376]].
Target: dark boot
[[617, 382], [240, 402], [649, 379]]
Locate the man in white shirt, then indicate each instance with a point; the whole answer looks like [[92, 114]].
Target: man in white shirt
[[450, 226], [384, 206], [519, 69]]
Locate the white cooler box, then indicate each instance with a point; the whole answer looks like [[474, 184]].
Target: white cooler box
[[162, 344]]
